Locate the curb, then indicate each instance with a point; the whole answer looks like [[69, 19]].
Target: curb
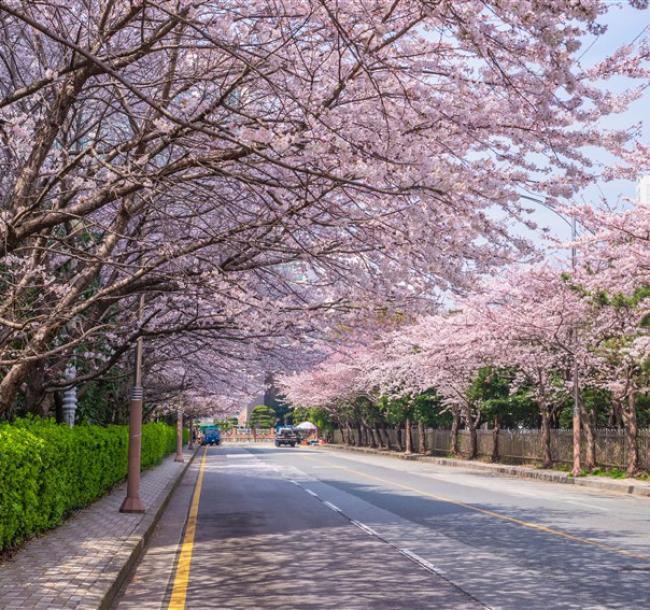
[[627, 486], [141, 539]]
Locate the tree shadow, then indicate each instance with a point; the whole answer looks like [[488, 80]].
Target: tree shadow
[[265, 543], [508, 564]]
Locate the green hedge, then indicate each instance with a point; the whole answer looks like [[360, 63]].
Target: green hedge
[[48, 470]]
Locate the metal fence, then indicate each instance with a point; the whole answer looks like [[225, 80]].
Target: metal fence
[[525, 446]]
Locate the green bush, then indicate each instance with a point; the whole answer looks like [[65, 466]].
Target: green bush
[[48, 470]]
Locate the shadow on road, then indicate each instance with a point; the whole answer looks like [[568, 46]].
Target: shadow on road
[[264, 543]]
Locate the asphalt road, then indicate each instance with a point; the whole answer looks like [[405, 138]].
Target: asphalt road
[[305, 528]]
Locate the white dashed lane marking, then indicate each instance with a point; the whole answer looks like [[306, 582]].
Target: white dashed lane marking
[[410, 555], [367, 529], [420, 561]]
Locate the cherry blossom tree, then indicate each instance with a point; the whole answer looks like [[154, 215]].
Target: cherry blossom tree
[[446, 352], [274, 162], [615, 280]]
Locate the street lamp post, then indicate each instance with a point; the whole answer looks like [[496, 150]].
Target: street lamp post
[[132, 503], [576, 387]]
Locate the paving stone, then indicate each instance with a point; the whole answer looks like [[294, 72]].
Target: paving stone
[[75, 565]]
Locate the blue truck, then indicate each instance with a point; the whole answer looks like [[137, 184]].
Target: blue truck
[[210, 435]]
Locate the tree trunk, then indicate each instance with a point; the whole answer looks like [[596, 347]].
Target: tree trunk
[[37, 400], [386, 435], [398, 440], [179, 436], [348, 435], [422, 439], [590, 437], [369, 437], [631, 433], [190, 443], [576, 442], [455, 424], [58, 407], [15, 376], [359, 435], [11, 382], [616, 415], [473, 438], [495, 439], [546, 438], [408, 438], [611, 416]]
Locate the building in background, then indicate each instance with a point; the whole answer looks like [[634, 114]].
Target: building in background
[[643, 190], [245, 413], [269, 397]]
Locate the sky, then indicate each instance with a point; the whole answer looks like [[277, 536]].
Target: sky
[[624, 25]]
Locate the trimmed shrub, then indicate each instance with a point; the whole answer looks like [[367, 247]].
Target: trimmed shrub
[[48, 470]]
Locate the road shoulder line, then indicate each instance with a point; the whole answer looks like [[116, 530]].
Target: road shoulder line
[[182, 572], [131, 562]]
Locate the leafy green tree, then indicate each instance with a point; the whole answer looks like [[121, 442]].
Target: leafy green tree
[[227, 423], [283, 412], [262, 417], [492, 391], [399, 413], [426, 412], [316, 415]]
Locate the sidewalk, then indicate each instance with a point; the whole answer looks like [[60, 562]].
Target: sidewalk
[[626, 486], [84, 562]]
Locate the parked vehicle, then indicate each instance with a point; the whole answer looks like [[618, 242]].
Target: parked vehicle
[[286, 436], [210, 435]]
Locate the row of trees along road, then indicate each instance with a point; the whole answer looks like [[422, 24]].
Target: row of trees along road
[[266, 174], [506, 353]]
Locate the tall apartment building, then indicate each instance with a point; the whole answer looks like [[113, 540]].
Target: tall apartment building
[[268, 396], [643, 190]]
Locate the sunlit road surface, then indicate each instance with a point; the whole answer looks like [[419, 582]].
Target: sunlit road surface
[[305, 528]]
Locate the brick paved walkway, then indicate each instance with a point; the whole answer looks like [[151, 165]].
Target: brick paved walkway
[[78, 563]]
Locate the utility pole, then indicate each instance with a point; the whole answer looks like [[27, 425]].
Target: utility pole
[[576, 388], [132, 503]]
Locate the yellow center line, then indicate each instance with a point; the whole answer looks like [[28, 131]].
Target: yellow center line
[[182, 576], [508, 518]]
